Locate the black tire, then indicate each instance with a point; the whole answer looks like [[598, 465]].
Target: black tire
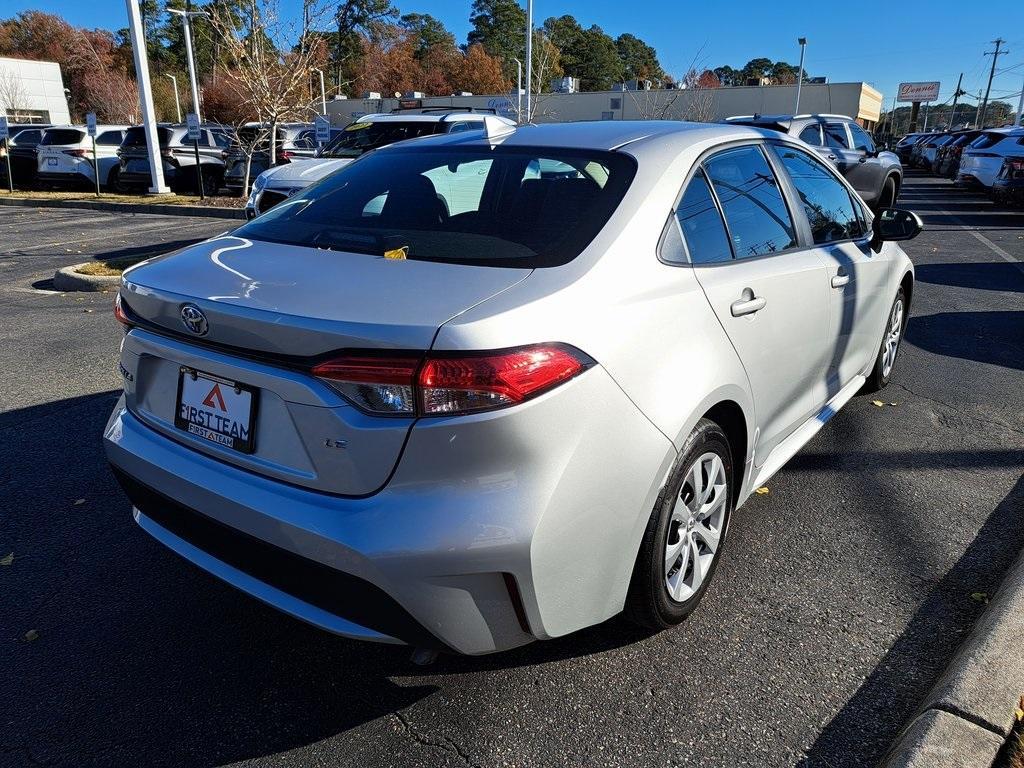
[[114, 181], [879, 378], [649, 603], [211, 181], [887, 197]]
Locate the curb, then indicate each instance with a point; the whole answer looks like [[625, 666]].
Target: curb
[[66, 279], [99, 205], [969, 714]]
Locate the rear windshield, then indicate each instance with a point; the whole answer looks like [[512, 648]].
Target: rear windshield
[[358, 138], [503, 206], [58, 136], [258, 137], [987, 140], [136, 137]]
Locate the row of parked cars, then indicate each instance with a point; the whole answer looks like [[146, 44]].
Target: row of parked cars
[[45, 156], [990, 159]]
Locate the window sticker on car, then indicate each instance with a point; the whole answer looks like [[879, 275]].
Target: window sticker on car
[[357, 126]]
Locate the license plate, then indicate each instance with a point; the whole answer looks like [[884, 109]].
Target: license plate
[[216, 409], [51, 161], [137, 166]]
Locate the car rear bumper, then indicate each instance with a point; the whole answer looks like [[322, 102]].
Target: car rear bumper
[[489, 534]]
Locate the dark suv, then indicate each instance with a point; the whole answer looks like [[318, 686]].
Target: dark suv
[[178, 155], [21, 144], [876, 175]]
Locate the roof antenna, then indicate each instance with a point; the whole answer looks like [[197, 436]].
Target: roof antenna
[[496, 129]]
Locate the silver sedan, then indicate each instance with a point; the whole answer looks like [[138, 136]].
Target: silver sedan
[[476, 390]]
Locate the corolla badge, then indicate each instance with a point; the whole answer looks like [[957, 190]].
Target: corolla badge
[[194, 319]]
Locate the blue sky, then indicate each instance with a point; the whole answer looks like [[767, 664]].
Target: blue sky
[[908, 41]]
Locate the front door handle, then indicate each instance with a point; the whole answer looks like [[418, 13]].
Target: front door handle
[[747, 306], [841, 278]]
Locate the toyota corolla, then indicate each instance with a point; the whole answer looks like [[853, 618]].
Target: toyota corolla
[[480, 389]]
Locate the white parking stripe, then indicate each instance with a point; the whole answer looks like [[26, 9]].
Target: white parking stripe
[[984, 240]]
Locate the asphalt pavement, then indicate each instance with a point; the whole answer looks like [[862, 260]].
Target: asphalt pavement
[[841, 595]]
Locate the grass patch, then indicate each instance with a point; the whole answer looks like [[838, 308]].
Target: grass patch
[[220, 201], [112, 268]]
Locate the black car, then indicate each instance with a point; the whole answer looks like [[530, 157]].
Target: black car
[[1008, 188], [876, 175], [21, 145]]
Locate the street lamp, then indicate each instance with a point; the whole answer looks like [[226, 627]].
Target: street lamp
[[323, 93], [186, 17], [177, 103], [519, 89], [529, 59], [800, 74]]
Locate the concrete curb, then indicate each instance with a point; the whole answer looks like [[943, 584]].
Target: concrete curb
[[99, 205], [67, 279], [969, 714]]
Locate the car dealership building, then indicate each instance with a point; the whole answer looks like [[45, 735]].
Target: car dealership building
[[33, 92]]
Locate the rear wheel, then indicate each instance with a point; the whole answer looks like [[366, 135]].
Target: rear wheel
[[211, 181], [684, 537], [887, 198], [886, 359]]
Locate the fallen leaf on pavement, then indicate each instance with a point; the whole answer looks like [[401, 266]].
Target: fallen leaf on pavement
[[31, 635], [979, 597], [762, 490], [879, 403], [79, 502], [894, 404], [7, 559]]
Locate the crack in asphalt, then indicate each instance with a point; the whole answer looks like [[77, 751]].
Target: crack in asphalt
[[955, 409], [442, 742]]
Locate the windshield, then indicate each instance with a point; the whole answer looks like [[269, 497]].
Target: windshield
[[358, 138], [502, 206]]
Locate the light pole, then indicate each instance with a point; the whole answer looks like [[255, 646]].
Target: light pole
[[519, 89], [177, 102], [529, 59], [156, 167], [800, 74], [323, 93], [186, 17]]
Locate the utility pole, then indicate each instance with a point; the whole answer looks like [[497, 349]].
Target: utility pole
[[1018, 120], [977, 111], [529, 60], [800, 74], [956, 96], [992, 72]]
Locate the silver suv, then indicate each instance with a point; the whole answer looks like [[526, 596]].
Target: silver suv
[[177, 155], [479, 389], [877, 175]]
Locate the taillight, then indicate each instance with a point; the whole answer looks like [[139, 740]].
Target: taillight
[[451, 384], [285, 156], [119, 314], [76, 152]]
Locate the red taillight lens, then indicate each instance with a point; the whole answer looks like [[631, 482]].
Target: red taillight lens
[[119, 314], [285, 156], [464, 384], [76, 152], [447, 385]]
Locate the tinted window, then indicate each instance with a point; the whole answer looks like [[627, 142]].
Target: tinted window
[[986, 140], [861, 140], [60, 136], [835, 136], [701, 224], [358, 138], [110, 138], [465, 205], [221, 138], [27, 138], [754, 208], [136, 137], [812, 135], [826, 202]]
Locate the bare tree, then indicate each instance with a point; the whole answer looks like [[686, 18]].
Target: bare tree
[[269, 56], [13, 96], [546, 66], [692, 99]]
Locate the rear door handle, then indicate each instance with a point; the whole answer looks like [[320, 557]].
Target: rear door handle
[[747, 306], [840, 279]]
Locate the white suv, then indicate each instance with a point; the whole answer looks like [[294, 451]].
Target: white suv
[[983, 157], [358, 137], [65, 154]]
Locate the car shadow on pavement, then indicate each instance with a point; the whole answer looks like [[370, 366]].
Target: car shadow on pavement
[[874, 715], [140, 658], [153, 249], [996, 338], [985, 276]]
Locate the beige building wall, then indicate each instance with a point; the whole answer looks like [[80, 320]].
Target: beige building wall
[[857, 100]]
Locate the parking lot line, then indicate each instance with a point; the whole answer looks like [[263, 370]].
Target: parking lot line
[[984, 240]]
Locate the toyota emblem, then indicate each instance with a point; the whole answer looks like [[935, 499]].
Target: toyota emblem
[[194, 319]]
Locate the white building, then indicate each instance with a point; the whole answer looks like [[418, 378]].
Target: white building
[[33, 92], [857, 100]]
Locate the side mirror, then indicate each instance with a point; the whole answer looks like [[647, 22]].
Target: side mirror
[[896, 224]]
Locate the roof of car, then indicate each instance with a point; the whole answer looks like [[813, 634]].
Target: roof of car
[[419, 117], [604, 134]]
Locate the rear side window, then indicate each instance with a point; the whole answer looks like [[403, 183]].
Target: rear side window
[[457, 204], [60, 136], [986, 140], [812, 135], [136, 137], [825, 200], [28, 138], [861, 141], [755, 210], [701, 224], [835, 136], [109, 138]]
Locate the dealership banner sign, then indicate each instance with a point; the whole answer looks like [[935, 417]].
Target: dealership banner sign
[[918, 92]]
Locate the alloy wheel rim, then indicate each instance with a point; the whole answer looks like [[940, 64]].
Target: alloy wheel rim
[[696, 526], [892, 338]]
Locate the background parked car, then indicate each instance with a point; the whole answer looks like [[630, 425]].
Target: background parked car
[[948, 157], [930, 148], [178, 156], [294, 141], [21, 146], [904, 145], [1008, 187], [64, 155], [983, 158], [918, 148], [876, 175]]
